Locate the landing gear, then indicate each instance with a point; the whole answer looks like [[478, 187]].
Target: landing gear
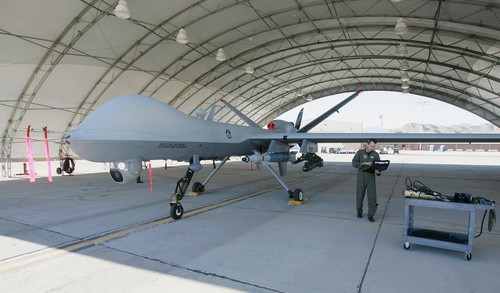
[[198, 187], [176, 209], [298, 195]]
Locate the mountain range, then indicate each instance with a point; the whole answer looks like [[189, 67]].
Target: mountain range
[[431, 128]]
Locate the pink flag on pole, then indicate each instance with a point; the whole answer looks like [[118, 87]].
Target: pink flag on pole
[[30, 155], [47, 153]]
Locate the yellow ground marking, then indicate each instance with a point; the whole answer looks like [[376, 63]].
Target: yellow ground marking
[[119, 234], [114, 235], [81, 245]]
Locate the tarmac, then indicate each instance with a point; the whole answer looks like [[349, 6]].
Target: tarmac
[[84, 233]]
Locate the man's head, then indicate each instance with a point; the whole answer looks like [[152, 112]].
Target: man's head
[[371, 144]]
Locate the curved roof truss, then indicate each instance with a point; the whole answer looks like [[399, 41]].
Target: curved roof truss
[[81, 55]]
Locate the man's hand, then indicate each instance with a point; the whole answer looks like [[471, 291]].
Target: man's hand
[[377, 172], [367, 163]]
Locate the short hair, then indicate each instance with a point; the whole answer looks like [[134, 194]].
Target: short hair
[[372, 139]]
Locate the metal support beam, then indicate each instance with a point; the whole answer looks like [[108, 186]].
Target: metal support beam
[[277, 177], [6, 161]]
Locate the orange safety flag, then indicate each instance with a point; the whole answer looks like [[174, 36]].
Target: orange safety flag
[[150, 179]]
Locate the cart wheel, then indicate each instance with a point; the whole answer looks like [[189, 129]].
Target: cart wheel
[[407, 246], [468, 256]]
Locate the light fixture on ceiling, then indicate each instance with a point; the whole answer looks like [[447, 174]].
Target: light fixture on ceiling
[[286, 87], [182, 37], [401, 27], [401, 50], [271, 79], [405, 85], [121, 10], [404, 65], [221, 56], [249, 68], [406, 91], [405, 77], [300, 93], [396, 1], [309, 97]]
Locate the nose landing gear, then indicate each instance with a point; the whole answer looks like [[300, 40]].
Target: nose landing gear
[[176, 209]]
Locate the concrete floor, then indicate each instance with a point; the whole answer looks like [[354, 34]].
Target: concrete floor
[[84, 233]]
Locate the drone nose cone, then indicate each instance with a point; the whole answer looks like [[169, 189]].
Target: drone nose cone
[[271, 125]]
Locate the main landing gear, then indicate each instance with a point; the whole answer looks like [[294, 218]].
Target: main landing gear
[[176, 209], [297, 194]]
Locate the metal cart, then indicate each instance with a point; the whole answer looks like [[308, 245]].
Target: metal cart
[[441, 239]]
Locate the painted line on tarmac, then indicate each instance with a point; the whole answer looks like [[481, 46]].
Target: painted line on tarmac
[[122, 233]]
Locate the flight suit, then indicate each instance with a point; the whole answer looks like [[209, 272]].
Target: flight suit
[[365, 180]]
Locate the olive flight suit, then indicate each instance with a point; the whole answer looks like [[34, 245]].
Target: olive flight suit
[[365, 180]]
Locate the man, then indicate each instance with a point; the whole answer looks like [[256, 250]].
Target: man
[[363, 161]]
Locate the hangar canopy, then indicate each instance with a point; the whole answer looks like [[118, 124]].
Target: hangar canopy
[[59, 60]]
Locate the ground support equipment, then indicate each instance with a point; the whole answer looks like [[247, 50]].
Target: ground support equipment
[[440, 239]]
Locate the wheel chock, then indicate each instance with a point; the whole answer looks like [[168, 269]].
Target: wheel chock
[[192, 193], [298, 202]]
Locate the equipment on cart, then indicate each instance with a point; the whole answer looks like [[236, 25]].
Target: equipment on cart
[[417, 189], [67, 165], [462, 197], [418, 194]]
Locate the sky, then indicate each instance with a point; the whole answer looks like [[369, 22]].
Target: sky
[[387, 110]]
